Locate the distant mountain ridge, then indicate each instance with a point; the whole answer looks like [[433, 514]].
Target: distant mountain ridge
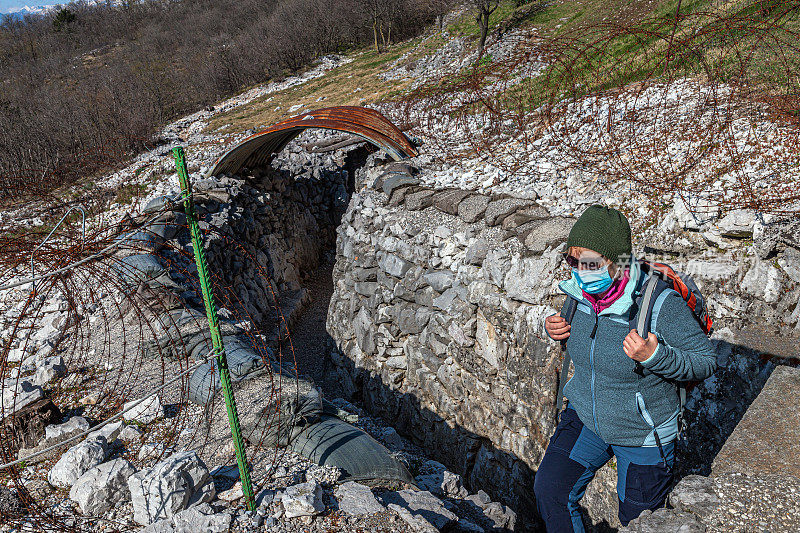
[[31, 10], [45, 9]]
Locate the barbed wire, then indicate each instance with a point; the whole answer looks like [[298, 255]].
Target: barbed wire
[[704, 105]]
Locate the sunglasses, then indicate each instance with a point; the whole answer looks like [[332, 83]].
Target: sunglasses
[[590, 264]]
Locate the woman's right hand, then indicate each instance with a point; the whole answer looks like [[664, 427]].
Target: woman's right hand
[[557, 327]]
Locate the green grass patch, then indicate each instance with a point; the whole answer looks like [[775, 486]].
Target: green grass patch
[[126, 194]]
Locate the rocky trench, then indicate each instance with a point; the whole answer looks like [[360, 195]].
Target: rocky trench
[[438, 302], [438, 308]]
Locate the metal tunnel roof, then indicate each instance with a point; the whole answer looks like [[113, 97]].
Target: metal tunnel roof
[[369, 124]]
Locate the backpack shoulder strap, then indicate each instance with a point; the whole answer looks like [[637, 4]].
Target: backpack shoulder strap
[[569, 308], [568, 312], [654, 286], [641, 321]]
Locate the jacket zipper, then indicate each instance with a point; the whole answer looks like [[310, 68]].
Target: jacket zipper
[[591, 361]]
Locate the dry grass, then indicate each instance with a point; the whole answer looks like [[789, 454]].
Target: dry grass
[[355, 83]]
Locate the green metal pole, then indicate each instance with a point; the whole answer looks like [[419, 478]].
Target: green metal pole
[[213, 325]]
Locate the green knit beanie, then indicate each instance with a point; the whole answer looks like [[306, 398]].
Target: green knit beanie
[[604, 230]]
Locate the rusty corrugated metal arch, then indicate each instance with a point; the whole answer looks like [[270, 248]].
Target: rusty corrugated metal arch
[[258, 149]]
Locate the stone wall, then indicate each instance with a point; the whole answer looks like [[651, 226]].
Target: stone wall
[[437, 309]]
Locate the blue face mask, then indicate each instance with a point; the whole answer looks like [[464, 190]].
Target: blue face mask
[[593, 281]]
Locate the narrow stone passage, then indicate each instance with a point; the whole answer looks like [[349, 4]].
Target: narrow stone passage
[[310, 339]]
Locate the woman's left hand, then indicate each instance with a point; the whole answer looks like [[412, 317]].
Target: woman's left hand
[[637, 348]]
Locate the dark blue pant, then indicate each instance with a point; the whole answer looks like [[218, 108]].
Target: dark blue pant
[[573, 456]]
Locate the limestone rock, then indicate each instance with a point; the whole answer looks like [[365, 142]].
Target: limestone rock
[[110, 432], [356, 499], [173, 485], [390, 437], [323, 474], [20, 395], [548, 233], [49, 369], [397, 180], [232, 494], [147, 411], [130, 434], [442, 482], [393, 265], [693, 214], [440, 280], [77, 461], [497, 210], [71, 426], [193, 520], [304, 499], [365, 336], [763, 443], [424, 504], [417, 522], [472, 208], [738, 224], [419, 200], [528, 278], [503, 517], [476, 251], [695, 494], [764, 281], [102, 487], [489, 344], [665, 521], [447, 201]]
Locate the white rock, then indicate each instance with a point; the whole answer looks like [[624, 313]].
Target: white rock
[[17, 354], [488, 343], [436, 479], [696, 216], [193, 520], [399, 362], [130, 434], [417, 522], [526, 279], [738, 223], [304, 499], [146, 412], [422, 503], [172, 485], [20, 395], [764, 281], [232, 494], [102, 487], [49, 369], [356, 499], [77, 461], [713, 270], [74, 424], [110, 432]]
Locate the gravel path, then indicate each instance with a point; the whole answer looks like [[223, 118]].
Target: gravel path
[[310, 339]]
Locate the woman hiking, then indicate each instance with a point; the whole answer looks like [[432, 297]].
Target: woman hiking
[[622, 400]]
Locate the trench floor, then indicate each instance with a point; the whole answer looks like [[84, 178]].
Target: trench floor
[[310, 339]]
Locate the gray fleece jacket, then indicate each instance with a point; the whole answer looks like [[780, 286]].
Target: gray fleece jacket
[[621, 406]]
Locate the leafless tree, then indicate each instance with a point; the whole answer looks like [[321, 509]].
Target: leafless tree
[[484, 10]]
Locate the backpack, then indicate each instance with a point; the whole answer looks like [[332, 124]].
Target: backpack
[[662, 277]]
